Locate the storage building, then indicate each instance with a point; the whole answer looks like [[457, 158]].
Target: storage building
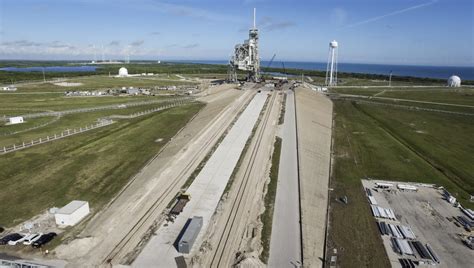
[[186, 242], [15, 120], [72, 213]]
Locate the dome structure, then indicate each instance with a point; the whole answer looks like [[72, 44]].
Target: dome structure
[[123, 72], [454, 81]]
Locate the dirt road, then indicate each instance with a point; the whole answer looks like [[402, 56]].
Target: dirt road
[[114, 234]]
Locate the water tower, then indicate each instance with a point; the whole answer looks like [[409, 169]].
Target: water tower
[[331, 69]]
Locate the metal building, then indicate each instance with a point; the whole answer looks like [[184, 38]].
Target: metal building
[[246, 57], [72, 213], [186, 242]]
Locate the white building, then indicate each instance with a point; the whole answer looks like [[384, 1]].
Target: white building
[[454, 81], [72, 213], [15, 120], [123, 72], [9, 88]]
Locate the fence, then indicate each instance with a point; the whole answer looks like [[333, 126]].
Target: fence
[[105, 107], [134, 115], [69, 132], [66, 133]]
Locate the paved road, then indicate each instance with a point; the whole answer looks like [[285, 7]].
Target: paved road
[[206, 191], [285, 245]]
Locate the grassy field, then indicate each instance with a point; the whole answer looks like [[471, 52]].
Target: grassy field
[[63, 123], [91, 166], [463, 96], [392, 144], [101, 81], [58, 102]]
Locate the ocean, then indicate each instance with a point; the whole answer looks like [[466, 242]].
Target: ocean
[[441, 72], [53, 69]]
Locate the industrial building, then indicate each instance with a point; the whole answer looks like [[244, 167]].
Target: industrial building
[[72, 213], [186, 242], [246, 57]]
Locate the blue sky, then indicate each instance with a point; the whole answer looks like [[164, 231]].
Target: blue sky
[[415, 32]]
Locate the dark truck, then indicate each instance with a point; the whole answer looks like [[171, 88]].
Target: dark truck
[[183, 199]]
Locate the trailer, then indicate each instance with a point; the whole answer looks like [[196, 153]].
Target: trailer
[[186, 242], [407, 187], [383, 185], [372, 200]]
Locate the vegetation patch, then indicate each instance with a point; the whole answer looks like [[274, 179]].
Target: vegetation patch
[[92, 166], [267, 216]]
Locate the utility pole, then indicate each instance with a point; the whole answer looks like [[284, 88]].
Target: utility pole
[[44, 77]]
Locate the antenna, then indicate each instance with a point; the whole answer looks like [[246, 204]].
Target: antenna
[[254, 16]]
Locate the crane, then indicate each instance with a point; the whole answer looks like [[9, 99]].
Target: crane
[[271, 61]]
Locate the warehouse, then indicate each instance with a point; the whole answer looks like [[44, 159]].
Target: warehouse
[[72, 213]]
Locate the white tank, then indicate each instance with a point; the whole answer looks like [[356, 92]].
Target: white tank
[[454, 81], [333, 44], [123, 71]]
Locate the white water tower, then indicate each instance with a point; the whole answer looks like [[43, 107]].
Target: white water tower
[[331, 69]]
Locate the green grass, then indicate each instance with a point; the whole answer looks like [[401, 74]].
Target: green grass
[[441, 140], [463, 96], [92, 166], [23, 103], [65, 122], [267, 216], [101, 82]]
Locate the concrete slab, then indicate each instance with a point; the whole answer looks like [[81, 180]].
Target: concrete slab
[[285, 243], [205, 191], [314, 125], [431, 219]]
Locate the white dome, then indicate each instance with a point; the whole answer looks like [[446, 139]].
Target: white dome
[[333, 44], [123, 71], [454, 81]]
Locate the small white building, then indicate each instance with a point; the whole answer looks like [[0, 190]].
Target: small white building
[[72, 213], [15, 120], [9, 88]]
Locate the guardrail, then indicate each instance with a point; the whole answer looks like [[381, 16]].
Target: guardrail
[[98, 108], [63, 134]]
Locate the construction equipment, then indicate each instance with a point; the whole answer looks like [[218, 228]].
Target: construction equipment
[[183, 199], [271, 61]]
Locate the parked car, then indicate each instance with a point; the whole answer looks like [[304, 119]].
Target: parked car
[[29, 240], [43, 240], [13, 242], [8, 238]]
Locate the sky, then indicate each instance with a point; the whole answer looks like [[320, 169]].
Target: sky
[[406, 32]]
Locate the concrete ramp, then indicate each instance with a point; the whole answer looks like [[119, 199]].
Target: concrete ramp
[[314, 130]]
